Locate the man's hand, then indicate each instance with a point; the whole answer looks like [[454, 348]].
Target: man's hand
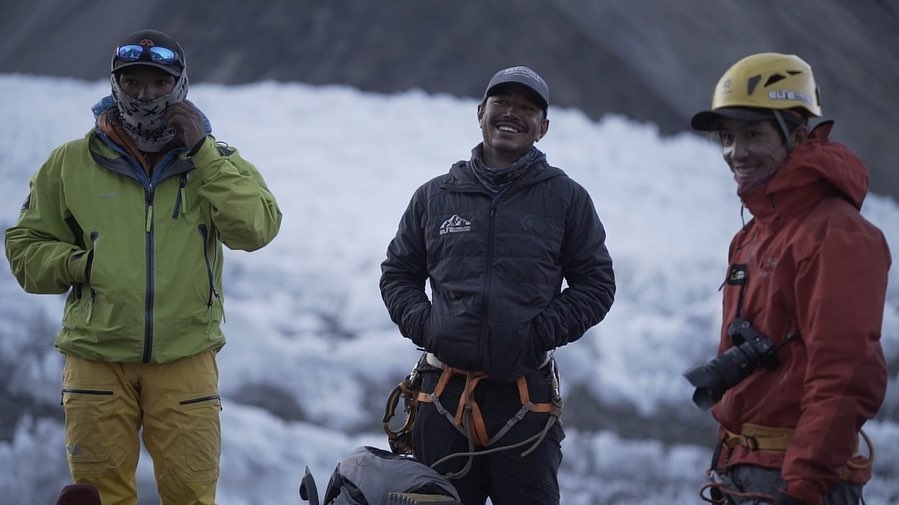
[[187, 121]]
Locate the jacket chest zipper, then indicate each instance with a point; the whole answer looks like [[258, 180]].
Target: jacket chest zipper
[[148, 308], [485, 323]]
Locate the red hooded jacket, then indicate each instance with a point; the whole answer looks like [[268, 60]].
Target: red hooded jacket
[[817, 269]]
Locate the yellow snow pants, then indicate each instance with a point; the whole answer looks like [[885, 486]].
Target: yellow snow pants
[[176, 405]]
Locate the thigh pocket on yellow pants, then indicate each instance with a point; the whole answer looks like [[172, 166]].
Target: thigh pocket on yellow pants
[[199, 438], [90, 429]]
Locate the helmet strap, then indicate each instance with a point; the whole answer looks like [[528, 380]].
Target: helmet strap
[[778, 115]]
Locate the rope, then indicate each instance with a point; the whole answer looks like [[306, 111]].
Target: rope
[[723, 489], [536, 439]]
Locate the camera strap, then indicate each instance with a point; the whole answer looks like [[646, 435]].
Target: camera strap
[[791, 337], [737, 276]]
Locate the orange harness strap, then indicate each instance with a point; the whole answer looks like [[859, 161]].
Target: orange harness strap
[[468, 404], [525, 397]]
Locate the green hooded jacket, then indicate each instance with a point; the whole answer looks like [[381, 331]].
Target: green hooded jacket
[[141, 258]]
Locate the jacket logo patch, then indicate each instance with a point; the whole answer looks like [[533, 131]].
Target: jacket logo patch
[[455, 224], [769, 266]]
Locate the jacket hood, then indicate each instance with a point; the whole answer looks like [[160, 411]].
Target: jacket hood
[[816, 168]]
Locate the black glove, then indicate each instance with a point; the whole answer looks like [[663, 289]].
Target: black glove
[[785, 499]]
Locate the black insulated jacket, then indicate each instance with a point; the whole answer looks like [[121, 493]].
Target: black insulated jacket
[[496, 265]]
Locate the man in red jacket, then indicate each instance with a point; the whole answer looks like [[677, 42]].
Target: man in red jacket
[[800, 367]]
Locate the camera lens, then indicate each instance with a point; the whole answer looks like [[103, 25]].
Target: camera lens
[[712, 379]]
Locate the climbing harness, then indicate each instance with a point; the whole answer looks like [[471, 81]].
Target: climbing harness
[[469, 421], [722, 490], [759, 438]]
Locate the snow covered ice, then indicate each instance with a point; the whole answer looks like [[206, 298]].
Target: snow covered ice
[[312, 353]]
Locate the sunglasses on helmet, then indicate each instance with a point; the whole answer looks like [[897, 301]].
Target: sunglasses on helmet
[[155, 54]]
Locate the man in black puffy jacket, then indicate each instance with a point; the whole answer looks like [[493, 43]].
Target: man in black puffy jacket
[[495, 238]]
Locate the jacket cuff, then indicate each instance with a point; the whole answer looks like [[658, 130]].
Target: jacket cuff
[[196, 147], [79, 266], [205, 152]]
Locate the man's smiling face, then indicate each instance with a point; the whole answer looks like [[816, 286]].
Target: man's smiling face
[[752, 149], [511, 121]]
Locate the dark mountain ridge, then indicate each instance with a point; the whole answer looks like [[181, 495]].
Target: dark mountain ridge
[[649, 60]]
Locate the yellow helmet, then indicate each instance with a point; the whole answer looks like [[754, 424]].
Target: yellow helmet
[[768, 81]]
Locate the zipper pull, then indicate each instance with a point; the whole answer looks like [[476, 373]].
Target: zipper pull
[[149, 218]]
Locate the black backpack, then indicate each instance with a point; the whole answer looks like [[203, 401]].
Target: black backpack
[[372, 476]]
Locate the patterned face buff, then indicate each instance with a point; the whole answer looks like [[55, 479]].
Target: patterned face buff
[[144, 121]]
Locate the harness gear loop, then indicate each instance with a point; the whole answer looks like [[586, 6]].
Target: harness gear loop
[[400, 440], [867, 461]]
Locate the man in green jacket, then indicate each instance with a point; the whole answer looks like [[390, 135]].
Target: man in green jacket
[[130, 221]]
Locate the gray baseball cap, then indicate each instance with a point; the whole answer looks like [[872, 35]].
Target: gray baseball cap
[[521, 75]]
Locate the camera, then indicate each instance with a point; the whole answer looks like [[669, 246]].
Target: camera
[[749, 350]]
